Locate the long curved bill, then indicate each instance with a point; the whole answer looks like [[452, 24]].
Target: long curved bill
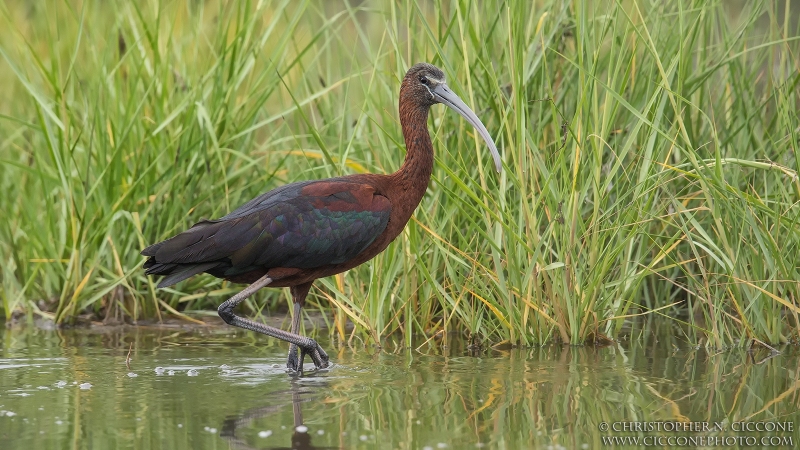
[[444, 95]]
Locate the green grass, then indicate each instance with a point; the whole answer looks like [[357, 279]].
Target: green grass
[[649, 150]]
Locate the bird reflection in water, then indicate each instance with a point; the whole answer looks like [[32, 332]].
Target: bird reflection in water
[[300, 440]]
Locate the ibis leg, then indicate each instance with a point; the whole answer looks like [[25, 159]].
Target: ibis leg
[[299, 294], [291, 361], [307, 346]]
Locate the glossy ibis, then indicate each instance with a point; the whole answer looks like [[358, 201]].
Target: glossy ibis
[[306, 230]]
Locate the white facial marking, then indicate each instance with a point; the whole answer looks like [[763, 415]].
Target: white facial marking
[[434, 81], [433, 97]]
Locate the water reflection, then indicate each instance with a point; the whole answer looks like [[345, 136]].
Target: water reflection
[[296, 396], [211, 388]]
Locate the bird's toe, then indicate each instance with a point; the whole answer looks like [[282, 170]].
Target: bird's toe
[[293, 362], [293, 365], [318, 355]]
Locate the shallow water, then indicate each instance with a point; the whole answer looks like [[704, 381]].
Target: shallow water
[[212, 388]]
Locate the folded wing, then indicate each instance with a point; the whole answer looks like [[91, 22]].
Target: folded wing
[[301, 225]]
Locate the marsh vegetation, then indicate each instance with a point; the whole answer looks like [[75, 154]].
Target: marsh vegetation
[[650, 157]]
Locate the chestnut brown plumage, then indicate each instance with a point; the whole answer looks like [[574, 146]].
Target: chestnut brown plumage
[[302, 231]]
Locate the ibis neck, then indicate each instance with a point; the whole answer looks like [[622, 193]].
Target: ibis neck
[[415, 173]]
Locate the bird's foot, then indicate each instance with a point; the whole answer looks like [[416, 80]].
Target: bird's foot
[[317, 354], [292, 362]]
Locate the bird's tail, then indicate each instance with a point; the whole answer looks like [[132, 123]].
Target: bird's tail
[[175, 272]]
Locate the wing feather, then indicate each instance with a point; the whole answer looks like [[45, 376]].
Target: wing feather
[[300, 225]]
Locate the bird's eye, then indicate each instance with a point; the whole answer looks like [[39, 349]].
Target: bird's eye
[[423, 80]]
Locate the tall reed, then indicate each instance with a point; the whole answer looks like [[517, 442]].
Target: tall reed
[[650, 155]]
